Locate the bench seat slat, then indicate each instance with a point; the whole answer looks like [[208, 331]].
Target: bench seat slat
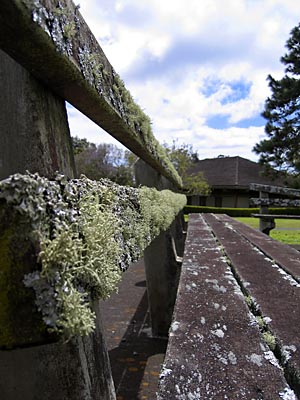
[[275, 216], [277, 294], [284, 255], [215, 348]]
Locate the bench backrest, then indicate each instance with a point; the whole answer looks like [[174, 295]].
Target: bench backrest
[[289, 197], [52, 41], [47, 47]]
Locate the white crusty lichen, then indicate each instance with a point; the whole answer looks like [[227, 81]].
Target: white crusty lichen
[[87, 232]]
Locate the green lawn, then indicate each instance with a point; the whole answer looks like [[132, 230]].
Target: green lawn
[[290, 236]]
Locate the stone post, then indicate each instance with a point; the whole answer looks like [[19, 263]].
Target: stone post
[[34, 364], [265, 225], [161, 265], [77, 370], [34, 129]]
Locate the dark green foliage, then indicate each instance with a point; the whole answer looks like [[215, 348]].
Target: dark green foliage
[[183, 157], [103, 161], [281, 150], [239, 212]]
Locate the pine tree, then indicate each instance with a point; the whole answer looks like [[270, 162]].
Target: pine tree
[[281, 150]]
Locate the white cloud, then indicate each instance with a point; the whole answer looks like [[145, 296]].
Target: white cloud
[[186, 61]]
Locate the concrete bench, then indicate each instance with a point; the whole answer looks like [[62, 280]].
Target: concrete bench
[[289, 198], [48, 55], [235, 329]]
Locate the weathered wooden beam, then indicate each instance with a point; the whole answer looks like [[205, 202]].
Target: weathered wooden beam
[[275, 202], [53, 42], [69, 242], [274, 189], [34, 128]]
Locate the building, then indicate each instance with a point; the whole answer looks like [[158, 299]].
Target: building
[[229, 179]]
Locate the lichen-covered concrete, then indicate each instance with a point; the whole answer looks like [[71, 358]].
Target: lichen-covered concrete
[[81, 235], [216, 349], [53, 42], [34, 129], [77, 370], [274, 287]]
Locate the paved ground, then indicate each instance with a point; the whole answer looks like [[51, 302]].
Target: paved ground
[[136, 358]]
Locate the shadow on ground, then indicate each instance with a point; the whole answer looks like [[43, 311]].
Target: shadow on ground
[[135, 356]]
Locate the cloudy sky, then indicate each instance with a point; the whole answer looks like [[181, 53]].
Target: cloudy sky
[[198, 68]]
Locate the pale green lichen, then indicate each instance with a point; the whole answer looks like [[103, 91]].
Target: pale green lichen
[[270, 340], [88, 232], [70, 36]]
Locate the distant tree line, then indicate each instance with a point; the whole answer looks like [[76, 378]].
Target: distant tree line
[[103, 161], [109, 161]]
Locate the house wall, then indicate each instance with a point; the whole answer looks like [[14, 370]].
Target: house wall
[[232, 199]]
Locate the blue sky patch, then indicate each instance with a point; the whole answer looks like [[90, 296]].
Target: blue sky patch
[[211, 87], [218, 122], [255, 121], [222, 122], [240, 90]]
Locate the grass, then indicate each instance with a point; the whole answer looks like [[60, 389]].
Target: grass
[[287, 231]]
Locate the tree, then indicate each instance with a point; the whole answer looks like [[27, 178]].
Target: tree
[[281, 150], [103, 161], [183, 157]]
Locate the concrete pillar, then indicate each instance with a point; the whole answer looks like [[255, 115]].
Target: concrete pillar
[[145, 175], [265, 225], [34, 129], [162, 267], [34, 365], [77, 370]]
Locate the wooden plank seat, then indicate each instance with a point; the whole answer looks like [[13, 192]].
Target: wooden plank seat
[[275, 216], [235, 329]]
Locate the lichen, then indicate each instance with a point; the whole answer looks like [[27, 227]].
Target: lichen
[[71, 37], [88, 232], [269, 339]]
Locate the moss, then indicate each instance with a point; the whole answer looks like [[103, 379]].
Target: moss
[[62, 23], [270, 340], [249, 301], [88, 232], [260, 322]]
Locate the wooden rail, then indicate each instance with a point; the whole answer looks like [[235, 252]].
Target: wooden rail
[[53, 42]]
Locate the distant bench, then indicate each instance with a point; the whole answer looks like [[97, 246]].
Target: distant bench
[[290, 199], [236, 322]]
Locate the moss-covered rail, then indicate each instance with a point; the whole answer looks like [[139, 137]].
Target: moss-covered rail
[[53, 42], [83, 233]]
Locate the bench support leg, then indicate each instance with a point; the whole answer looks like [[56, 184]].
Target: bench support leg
[[35, 136], [162, 274], [75, 370], [162, 264], [266, 225]]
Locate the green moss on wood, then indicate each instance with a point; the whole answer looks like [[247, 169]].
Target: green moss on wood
[[63, 25], [87, 232]]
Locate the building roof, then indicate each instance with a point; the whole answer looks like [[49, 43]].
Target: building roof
[[233, 172]]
